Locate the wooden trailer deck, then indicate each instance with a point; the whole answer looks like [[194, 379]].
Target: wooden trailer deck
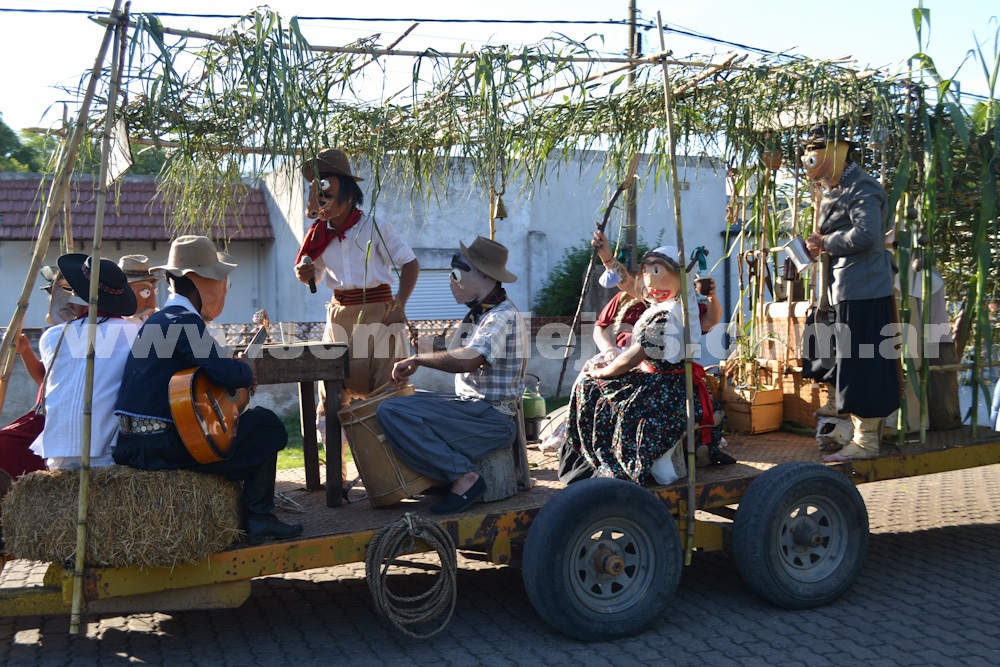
[[340, 535], [944, 450]]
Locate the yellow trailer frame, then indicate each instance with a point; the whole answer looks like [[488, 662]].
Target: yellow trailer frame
[[497, 530]]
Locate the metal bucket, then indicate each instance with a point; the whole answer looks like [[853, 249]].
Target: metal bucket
[[796, 249]]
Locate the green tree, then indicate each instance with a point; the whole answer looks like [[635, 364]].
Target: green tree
[[14, 155], [560, 294], [148, 160]]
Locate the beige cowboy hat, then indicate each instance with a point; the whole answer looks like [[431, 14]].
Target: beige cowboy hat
[[489, 257], [196, 254], [135, 268], [329, 161]]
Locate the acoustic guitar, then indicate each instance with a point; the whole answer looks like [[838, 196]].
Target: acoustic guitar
[[205, 413]]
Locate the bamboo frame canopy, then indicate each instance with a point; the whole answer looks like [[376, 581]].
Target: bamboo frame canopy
[[245, 100]]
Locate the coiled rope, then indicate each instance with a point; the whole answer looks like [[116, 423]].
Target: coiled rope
[[406, 611]]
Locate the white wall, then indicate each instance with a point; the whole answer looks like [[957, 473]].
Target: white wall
[[540, 227]]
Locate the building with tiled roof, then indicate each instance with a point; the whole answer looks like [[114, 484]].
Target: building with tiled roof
[[136, 221], [134, 211]]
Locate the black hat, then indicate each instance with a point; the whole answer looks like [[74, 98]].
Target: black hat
[[114, 295], [820, 135]]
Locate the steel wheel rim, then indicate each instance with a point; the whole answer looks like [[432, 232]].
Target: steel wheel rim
[[820, 519], [602, 591]]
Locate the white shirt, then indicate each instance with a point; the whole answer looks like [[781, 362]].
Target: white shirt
[[343, 263], [672, 334], [62, 436]]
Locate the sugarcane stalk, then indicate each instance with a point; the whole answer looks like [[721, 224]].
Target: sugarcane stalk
[[685, 314], [88, 383]]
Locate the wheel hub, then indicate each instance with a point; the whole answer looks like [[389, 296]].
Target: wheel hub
[[806, 534], [609, 562]]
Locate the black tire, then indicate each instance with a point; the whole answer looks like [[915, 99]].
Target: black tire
[[800, 535], [602, 559]]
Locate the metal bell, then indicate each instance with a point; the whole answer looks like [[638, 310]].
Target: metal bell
[[499, 210]]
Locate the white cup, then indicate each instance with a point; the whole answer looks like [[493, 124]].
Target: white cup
[[287, 332]]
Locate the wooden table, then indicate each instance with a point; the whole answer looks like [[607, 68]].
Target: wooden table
[[305, 363]]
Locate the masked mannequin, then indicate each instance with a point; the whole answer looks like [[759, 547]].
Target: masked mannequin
[[468, 284], [64, 304]]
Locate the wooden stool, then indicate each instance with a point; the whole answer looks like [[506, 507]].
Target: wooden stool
[[497, 470]]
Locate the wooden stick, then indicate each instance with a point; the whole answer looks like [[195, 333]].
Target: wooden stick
[[88, 383], [622, 187], [685, 314]]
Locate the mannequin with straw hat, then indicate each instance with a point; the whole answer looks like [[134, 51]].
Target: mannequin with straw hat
[[198, 278], [64, 354], [143, 283], [356, 258], [442, 436]]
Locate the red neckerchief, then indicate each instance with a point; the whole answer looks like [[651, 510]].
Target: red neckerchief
[[320, 235]]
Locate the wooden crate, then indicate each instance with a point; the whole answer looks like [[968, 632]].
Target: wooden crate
[[789, 335], [752, 411], [802, 397]]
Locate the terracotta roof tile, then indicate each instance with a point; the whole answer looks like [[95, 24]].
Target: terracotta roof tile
[[138, 215]]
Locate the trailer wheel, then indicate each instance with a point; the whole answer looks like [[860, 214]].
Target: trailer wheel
[[601, 559], [800, 535]]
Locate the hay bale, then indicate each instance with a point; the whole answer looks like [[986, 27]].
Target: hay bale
[[135, 517]]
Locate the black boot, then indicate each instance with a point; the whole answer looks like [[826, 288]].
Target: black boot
[[258, 506]]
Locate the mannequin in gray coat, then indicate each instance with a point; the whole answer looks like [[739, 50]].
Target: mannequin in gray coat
[[852, 220]]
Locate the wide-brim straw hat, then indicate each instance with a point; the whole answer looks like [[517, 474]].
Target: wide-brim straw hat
[[135, 268], [823, 134], [114, 296], [196, 254], [328, 161], [489, 257]]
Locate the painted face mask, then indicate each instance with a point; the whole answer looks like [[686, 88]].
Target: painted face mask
[[659, 280], [820, 161], [64, 304], [213, 295], [145, 298], [468, 284]]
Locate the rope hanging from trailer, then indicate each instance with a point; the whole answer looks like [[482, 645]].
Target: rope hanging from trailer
[[403, 611]]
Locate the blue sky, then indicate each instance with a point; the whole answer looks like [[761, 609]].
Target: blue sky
[[40, 52]]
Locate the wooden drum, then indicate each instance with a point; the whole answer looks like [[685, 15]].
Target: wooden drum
[[387, 479]]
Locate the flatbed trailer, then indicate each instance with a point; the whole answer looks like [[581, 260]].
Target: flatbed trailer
[[601, 558]]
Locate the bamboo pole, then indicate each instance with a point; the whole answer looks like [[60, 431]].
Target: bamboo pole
[[685, 314], [88, 383], [57, 195]]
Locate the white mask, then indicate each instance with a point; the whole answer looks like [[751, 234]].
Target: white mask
[[468, 284]]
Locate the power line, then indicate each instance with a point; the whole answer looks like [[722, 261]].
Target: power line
[[641, 24], [365, 19]]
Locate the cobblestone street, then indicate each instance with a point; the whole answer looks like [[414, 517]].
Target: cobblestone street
[[929, 594]]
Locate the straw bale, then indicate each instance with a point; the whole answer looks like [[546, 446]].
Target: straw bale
[[135, 517]]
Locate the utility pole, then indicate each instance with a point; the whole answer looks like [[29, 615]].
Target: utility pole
[[631, 208]]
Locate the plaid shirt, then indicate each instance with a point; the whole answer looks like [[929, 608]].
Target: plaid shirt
[[501, 337]]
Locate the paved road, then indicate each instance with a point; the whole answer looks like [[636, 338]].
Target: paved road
[[929, 594]]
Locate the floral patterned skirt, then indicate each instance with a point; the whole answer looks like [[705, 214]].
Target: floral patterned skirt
[[621, 425]]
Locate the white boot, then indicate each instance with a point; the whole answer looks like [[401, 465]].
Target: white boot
[[866, 442], [833, 433], [829, 409]]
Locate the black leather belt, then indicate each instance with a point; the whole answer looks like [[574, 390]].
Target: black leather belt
[[141, 425]]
